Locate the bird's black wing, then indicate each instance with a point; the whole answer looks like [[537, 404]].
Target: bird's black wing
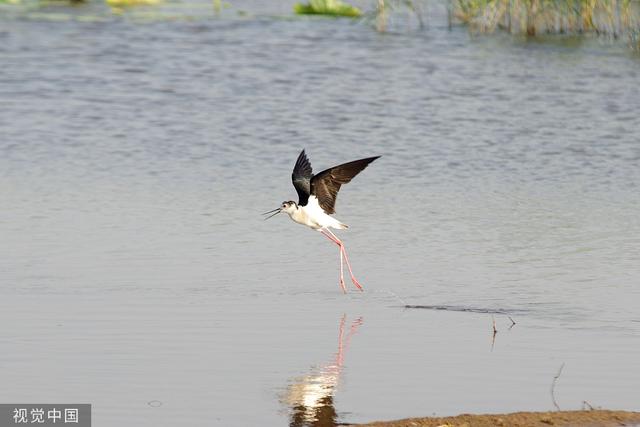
[[301, 178], [326, 184]]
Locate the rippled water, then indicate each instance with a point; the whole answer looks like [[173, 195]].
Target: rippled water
[[137, 274]]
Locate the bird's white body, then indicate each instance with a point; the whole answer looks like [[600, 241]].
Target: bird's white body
[[312, 215]]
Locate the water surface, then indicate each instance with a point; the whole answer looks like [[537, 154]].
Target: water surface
[[137, 275]]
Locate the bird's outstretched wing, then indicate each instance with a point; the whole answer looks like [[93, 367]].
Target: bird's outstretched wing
[[301, 178], [326, 184]]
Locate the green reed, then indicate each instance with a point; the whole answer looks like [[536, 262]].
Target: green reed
[[384, 8], [531, 17]]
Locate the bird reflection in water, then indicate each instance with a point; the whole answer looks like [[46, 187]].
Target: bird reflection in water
[[311, 397]]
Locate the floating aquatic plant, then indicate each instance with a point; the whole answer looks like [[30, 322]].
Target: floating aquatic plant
[[130, 3], [327, 7]]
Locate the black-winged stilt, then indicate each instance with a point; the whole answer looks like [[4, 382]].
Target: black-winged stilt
[[316, 201]]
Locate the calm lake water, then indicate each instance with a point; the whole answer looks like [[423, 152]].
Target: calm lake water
[[136, 273]]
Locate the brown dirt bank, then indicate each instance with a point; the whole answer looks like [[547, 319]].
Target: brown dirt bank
[[594, 418]]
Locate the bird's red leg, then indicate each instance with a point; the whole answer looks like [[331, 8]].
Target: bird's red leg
[[344, 288], [346, 258], [333, 239], [339, 243]]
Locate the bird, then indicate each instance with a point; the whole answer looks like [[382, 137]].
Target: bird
[[317, 199]]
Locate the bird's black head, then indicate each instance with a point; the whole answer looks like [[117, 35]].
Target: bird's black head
[[288, 207]]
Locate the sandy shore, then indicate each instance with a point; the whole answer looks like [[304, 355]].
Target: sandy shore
[[594, 418]]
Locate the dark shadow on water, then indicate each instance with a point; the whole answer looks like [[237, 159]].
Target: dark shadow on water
[[463, 309], [310, 397]]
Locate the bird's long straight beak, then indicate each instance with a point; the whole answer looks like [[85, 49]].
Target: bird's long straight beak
[[277, 211]]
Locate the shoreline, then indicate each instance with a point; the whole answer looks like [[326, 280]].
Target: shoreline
[[590, 418]]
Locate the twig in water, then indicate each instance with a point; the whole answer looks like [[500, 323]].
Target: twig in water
[[495, 331], [398, 298], [393, 294], [553, 386], [513, 322]]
